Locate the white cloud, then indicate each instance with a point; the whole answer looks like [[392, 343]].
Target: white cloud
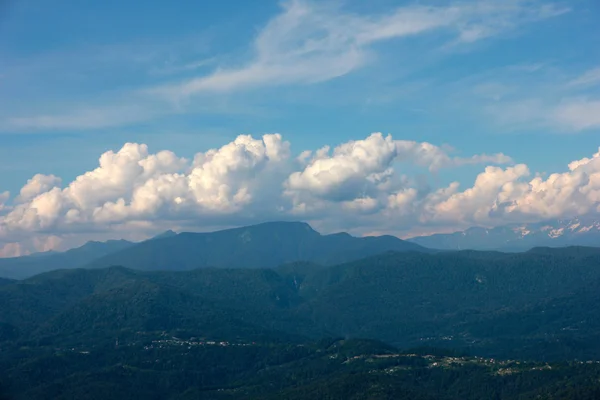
[[306, 43], [134, 185], [37, 185], [247, 180], [311, 42], [498, 196], [557, 114], [190, 66], [507, 195], [578, 114], [492, 187], [356, 168], [587, 79], [358, 186], [4, 196], [84, 118], [35, 244], [12, 250], [364, 169], [435, 158]]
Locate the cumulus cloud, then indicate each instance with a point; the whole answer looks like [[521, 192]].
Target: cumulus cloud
[[37, 185], [359, 185], [361, 174], [354, 168], [134, 185], [4, 196], [509, 195]]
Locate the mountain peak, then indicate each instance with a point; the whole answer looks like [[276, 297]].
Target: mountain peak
[[274, 227], [165, 234], [285, 225]]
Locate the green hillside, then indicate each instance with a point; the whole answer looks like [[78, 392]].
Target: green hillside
[[220, 333]]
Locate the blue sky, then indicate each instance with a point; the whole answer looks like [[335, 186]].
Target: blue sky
[[79, 78]]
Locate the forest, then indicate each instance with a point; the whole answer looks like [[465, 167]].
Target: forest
[[456, 325]]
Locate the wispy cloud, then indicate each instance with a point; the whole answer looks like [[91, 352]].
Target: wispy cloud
[[587, 79], [306, 43], [310, 43], [171, 68], [527, 67], [553, 99], [563, 115], [578, 114], [85, 118]]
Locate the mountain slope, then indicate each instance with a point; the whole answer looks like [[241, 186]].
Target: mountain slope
[[485, 302], [406, 299], [24, 267], [581, 231], [4, 281], [259, 246], [70, 305]]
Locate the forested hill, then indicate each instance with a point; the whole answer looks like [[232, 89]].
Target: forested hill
[[4, 281], [221, 333], [482, 302], [163, 367]]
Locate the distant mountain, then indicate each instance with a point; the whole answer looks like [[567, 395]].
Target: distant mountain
[[4, 281], [260, 246], [165, 234], [23, 267], [266, 245], [581, 231]]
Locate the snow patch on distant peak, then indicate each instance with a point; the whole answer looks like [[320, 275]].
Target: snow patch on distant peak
[[522, 230], [574, 226], [545, 228], [554, 233]]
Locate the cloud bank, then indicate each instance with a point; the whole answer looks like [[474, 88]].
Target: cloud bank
[[358, 186]]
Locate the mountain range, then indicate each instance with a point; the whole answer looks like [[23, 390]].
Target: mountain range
[[580, 231], [541, 304], [265, 245], [26, 266], [473, 324], [271, 244]]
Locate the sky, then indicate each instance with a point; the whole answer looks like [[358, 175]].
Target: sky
[[121, 119]]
